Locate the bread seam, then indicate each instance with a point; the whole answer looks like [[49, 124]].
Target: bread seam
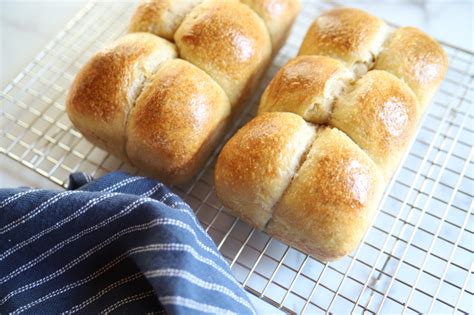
[[297, 168], [144, 83]]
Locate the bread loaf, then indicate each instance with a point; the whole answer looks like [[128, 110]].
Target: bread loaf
[[165, 115], [366, 90]]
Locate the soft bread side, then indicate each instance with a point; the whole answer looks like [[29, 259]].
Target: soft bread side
[[332, 199], [106, 87], [278, 15], [176, 121], [257, 164]]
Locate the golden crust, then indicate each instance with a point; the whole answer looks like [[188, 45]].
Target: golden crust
[[306, 86], [350, 35], [278, 15], [106, 87], [380, 114], [228, 41], [332, 199], [257, 164], [161, 17], [176, 121], [417, 59]]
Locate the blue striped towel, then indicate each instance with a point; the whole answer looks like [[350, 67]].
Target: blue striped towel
[[122, 244]]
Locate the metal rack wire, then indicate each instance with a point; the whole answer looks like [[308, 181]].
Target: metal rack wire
[[417, 256]]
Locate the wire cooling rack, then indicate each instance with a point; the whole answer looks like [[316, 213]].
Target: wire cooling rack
[[417, 256]]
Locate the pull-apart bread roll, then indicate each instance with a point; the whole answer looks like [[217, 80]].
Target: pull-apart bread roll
[[366, 90], [331, 200], [161, 17], [165, 115], [380, 114], [258, 163], [350, 35], [106, 88], [176, 120], [415, 58], [320, 202], [307, 86], [229, 41]]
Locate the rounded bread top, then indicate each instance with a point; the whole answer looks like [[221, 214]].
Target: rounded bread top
[[161, 17], [110, 81], [348, 34], [307, 86], [416, 58], [228, 40], [174, 116], [380, 114]]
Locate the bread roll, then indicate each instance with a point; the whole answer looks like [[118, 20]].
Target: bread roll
[[227, 40], [332, 199], [417, 59], [106, 87], [307, 86], [176, 121], [350, 35], [380, 114], [161, 17], [278, 15], [257, 164]]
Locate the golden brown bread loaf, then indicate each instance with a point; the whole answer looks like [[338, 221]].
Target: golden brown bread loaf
[[367, 90], [164, 115]]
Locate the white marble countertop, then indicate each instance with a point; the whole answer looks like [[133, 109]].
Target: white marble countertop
[[27, 26]]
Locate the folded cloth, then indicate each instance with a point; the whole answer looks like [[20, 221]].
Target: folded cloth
[[122, 244]]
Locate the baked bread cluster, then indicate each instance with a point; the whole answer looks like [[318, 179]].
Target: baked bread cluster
[[162, 96], [333, 125]]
